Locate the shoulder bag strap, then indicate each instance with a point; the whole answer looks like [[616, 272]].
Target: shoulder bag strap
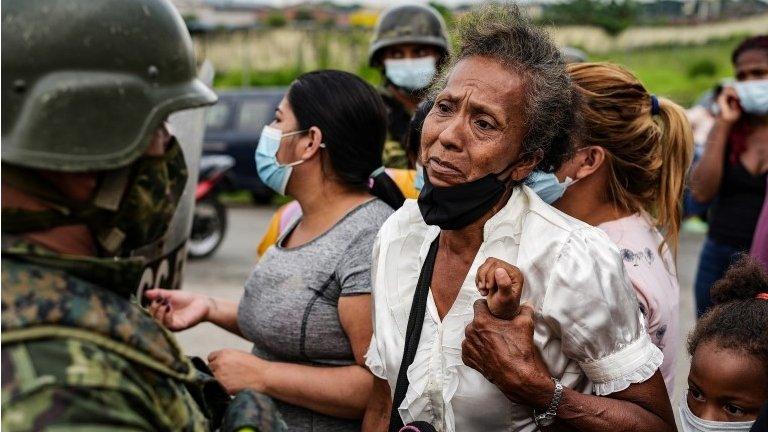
[[413, 334]]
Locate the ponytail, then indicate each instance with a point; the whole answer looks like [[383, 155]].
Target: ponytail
[[745, 280], [648, 141], [739, 319], [383, 187], [382, 184], [676, 150]]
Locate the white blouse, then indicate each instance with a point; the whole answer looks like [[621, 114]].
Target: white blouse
[[588, 325]]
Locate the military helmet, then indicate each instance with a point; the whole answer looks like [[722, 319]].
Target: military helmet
[[408, 23], [85, 83]]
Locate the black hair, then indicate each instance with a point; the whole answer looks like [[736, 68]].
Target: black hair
[[754, 43], [413, 134], [353, 119], [739, 320]]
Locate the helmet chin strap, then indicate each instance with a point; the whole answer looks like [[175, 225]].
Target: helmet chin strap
[[111, 189], [108, 197]]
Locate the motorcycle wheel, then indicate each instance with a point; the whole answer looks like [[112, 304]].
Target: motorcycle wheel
[[209, 224]]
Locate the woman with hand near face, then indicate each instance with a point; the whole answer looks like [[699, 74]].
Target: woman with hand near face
[[733, 171], [307, 303], [505, 107], [626, 176]]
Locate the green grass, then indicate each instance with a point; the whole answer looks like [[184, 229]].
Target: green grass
[[666, 71], [679, 72], [271, 78], [278, 78]]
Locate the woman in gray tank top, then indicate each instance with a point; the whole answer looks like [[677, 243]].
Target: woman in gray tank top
[[307, 306]]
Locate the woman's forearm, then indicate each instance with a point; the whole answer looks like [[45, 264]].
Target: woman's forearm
[[341, 391], [708, 171], [594, 413], [379, 406], [223, 313], [641, 407]]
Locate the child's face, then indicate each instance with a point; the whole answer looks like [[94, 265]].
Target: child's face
[[726, 385]]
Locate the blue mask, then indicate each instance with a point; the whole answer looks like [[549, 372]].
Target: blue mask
[[411, 74], [271, 172], [418, 181], [547, 186], [753, 96]]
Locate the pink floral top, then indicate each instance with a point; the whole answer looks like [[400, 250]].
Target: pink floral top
[[654, 278]]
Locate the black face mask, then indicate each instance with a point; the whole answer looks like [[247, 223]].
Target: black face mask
[[455, 207]]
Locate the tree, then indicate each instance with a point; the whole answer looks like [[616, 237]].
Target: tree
[[304, 15], [276, 19], [443, 10]]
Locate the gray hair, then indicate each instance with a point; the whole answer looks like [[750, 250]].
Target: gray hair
[[501, 32]]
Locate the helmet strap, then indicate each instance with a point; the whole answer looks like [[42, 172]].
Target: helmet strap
[[111, 189]]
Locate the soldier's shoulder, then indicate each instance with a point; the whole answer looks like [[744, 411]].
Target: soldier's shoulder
[[21, 278], [39, 302]]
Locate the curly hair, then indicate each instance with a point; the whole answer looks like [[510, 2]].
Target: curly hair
[[739, 320], [749, 44], [502, 33]]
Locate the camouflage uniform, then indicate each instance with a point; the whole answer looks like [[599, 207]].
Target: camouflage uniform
[[86, 86], [398, 118], [76, 356]]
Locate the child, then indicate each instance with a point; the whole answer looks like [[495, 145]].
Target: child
[[728, 380]]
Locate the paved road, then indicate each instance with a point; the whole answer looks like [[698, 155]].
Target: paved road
[[224, 274]]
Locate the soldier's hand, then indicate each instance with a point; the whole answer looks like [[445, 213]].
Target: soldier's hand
[[502, 284], [178, 310]]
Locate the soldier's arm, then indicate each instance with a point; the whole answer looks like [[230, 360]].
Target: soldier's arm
[[67, 384], [75, 408]]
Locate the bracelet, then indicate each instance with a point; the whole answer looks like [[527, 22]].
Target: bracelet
[[547, 418]]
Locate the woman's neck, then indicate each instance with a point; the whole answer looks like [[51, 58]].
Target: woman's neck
[[758, 120], [589, 205], [329, 201]]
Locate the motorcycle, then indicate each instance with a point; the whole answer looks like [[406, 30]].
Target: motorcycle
[[209, 221]]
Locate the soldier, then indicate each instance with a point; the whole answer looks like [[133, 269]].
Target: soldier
[[91, 188], [409, 45]]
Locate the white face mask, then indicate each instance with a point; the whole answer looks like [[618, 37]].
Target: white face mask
[[691, 423], [753, 96], [411, 74]]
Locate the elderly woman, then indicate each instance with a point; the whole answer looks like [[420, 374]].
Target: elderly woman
[[505, 108]]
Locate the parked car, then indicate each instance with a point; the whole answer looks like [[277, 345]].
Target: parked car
[[233, 127]]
